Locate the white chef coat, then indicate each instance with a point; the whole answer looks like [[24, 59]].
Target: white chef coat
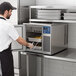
[[7, 34]]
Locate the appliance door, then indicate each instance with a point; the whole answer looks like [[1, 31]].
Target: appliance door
[[23, 69], [20, 63], [40, 35], [35, 65], [33, 34], [17, 62], [15, 45], [17, 59]]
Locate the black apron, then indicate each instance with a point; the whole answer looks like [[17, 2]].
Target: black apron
[[6, 59]]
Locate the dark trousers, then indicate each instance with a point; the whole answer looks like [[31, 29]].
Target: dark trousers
[[6, 59]]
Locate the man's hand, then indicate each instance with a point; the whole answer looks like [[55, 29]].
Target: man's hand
[[30, 45]]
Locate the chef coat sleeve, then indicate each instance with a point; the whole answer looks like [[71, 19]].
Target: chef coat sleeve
[[12, 32]]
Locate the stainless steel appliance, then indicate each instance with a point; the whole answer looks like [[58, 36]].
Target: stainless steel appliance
[[47, 38]]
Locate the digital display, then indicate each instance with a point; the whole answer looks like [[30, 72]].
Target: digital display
[[46, 29]]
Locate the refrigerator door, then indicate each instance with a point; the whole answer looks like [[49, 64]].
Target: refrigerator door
[[23, 70], [17, 60], [35, 65], [15, 45], [20, 63]]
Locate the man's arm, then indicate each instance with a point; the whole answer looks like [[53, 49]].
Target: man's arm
[[21, 41]]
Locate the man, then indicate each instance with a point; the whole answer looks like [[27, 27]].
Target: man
[[7, 35]]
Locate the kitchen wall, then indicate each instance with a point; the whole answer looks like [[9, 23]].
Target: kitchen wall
[[13, 2], [56, 2]]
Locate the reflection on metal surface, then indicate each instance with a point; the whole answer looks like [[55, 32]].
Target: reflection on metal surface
[[67, 55]]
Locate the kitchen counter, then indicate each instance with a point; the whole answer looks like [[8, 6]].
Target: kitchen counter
[[69, 53], [66, 55], [62, 64]]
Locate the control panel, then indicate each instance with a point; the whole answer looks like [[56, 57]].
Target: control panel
[[46, 30]]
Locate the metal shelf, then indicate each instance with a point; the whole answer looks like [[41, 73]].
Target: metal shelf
[[43, 20], [34, 39], [50, 7]]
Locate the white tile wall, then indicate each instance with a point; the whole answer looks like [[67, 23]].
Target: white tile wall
[[45, 2], [13, 2], [57, 2]]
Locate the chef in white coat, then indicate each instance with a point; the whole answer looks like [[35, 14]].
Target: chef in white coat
[[7, 34]]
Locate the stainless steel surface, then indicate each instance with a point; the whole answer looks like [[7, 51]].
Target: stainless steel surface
[[52, 7], [58, 37], [31, 65], [45, 65], [45, 13], [20, 63], [59, 66], [15, 45], [17, 59], [23, 14], [52, 42], [34, 67], [53, 21], [67, 55], [17, 62], [23, 69]]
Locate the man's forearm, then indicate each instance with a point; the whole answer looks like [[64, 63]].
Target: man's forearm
[[21, 41]]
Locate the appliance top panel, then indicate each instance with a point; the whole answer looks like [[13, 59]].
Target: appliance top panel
[[37, 24]]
